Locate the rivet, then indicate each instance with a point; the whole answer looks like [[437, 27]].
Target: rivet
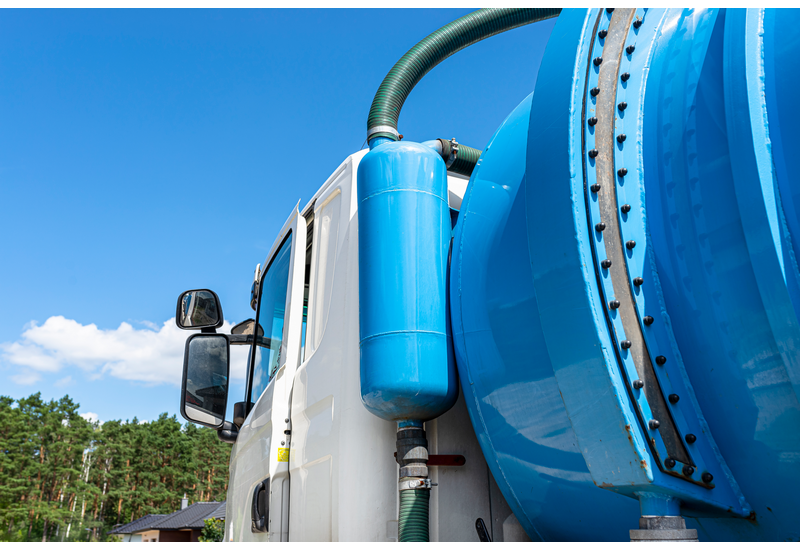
[[690, 438], [625, 76], [630, 49], [597, 61], [613, 304], [660, 360], [688, 471], [592, 121], [638, 281], [669, 463], [654, 424], [595, 187], [606, 264], [286, 420], [283, 443], [673, 398], [593, 153], [625, 208], [594, 91], [625, 344], [637, 23], [622, 172], [638, 384], [621, 138], [622, 106], [609, 10], [630, 245], [602, 34], [707, 478], [600, 226], [648, 320]]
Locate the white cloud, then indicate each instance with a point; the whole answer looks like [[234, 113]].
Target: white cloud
[[66, 381], [152, 354], [91, 417]]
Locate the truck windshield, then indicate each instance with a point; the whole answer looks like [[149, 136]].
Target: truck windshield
[[271, 311]]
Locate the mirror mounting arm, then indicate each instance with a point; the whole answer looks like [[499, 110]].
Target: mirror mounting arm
[[208, 330], [228, 433]]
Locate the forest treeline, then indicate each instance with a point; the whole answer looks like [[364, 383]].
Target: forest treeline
[[65, 478]]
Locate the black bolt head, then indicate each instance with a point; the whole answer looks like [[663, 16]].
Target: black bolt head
[[690, 438], [625, 344], [602, 34], [592, 121], [638, 281], [613, 304], [593, 153], [630, 49], [594, 91], [600, 226], [630, 245], [622, 172], [648, 320], [707, 478], [622, 106], [660, 360], [625, 208], [669, 463], [624, 76], [597, 61], [621, 138], [595, 187], [638, 384], [606, 264], [674, 398], [688, 471], [654, 424], [637, 23]]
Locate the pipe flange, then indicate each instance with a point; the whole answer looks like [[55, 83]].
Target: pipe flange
[[413, 484]]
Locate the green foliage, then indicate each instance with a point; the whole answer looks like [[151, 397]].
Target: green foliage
[[213, 530], [64, 478]]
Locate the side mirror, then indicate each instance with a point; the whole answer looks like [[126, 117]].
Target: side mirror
[[198, 309], [206, 368]]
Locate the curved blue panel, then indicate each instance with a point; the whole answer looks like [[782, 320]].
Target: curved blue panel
[[504, 369], [407, 372], [663, 139]]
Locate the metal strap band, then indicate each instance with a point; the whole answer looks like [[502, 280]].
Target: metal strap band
[[382, 129]]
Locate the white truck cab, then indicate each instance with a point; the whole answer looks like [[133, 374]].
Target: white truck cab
[[308, 449]]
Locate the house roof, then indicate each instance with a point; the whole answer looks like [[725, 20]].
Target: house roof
[[140, 524], [191, 517]]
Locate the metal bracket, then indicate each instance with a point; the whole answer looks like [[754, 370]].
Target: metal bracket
[[453, 153]]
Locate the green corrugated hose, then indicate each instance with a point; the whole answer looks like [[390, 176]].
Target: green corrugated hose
[[432, 50], [413, 524]]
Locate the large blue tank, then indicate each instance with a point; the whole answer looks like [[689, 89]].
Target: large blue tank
[[407, 369], [624, 284]]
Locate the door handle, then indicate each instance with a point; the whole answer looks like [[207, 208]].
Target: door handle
[[260, 511]]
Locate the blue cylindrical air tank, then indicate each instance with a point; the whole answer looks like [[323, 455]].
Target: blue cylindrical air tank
[[407, 370]]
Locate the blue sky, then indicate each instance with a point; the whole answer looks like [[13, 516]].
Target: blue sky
[[147, 152]]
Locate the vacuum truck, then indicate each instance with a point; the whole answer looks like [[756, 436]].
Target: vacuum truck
[[588, 330]]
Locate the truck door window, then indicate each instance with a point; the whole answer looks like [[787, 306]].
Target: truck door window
[[271, 312]]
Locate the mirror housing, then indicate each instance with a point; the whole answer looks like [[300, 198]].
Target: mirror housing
[[199, 309], [206, 369], [247, 327]]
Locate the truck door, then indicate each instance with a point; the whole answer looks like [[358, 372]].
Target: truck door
[[260, 457]]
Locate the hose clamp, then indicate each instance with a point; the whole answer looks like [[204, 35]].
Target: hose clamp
[[453, 153], [415, 484], [382, 130]]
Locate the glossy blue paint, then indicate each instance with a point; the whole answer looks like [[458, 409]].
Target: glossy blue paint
[[505, 372], [407, 371], [714, 213]]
